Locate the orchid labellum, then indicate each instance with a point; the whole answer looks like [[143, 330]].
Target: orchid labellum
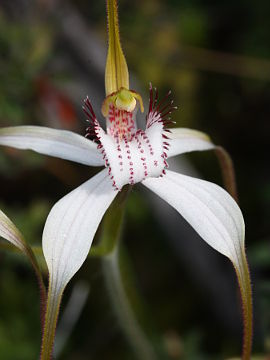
[[130, 155]]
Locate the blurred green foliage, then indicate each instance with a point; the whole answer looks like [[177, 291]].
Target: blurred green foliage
[[24, 52]]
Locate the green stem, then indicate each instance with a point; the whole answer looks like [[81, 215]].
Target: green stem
[[125, 314], [52, 312], [244, 281], [227, 169], [112, 225], [243, 274], [112, 229]]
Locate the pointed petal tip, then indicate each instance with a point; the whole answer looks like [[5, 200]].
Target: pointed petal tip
[[70, 230]]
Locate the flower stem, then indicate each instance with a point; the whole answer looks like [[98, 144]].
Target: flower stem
[[112, 228], [227, 170], [125, 314], [243, 274], [244, 281], [112, 225], [248, 315], [51, 317]]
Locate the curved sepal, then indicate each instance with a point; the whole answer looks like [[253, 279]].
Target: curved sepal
[[67, 238], [9, 232], [183, 140], [216, 217], [53, 142]]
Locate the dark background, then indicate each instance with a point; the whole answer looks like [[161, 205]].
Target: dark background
[[214, 56]]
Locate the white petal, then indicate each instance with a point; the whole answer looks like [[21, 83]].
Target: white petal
[[59, 143], [184, 140], [209, 209], [216, 217], [9, 232], [71, 226]]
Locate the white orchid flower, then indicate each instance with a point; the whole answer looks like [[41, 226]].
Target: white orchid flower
[[130, 156]]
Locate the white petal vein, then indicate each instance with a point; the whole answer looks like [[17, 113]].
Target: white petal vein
[[53, 142], [71, 226], [207, 207], [184, 140]]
